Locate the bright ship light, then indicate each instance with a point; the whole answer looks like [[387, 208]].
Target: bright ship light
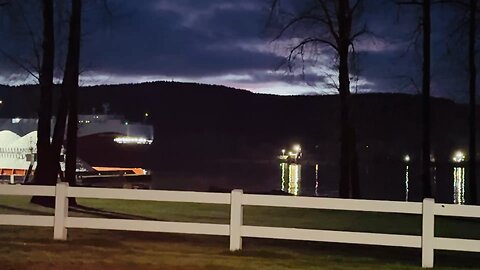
[[297, 148], [406, 158], [132, 140], [458, 157]]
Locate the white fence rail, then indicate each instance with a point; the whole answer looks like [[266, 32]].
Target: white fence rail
[[236, 230]]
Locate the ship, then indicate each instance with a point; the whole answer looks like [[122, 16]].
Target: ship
[[110, 150]]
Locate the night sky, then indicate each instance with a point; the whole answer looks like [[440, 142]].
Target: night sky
[[231, 42]]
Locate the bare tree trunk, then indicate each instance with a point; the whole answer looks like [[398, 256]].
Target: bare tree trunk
[[426, 125], [45, 108], [70, 81], [46, 86], [348, 187], [472, 153], [75, 32]]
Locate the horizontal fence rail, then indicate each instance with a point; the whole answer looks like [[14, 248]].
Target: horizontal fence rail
[[427, 241], [333, 204], [149, 195]]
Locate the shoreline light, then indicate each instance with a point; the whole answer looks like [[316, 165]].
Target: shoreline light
[[132, 140]]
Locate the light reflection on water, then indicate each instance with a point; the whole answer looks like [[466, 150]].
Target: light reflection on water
[[291, 178], [291, 181], [459, 185], [316, 180], [407, 179]]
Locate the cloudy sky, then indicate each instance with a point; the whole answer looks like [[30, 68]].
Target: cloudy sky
[[230, 42]]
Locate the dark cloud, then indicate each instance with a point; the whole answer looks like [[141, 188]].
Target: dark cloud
[[161, 38], [196, 39]]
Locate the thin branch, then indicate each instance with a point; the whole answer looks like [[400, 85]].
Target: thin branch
[[18, 63], [329, 20]]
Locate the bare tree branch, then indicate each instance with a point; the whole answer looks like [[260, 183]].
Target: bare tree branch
[[19, 63]]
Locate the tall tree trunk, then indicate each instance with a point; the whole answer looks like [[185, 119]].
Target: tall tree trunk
[[426, 172], [348, 186], [46, 86], [70, 81], [75, 32], [472, 152], [45, 108]]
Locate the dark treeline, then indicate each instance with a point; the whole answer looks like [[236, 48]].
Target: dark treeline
[[203, 122]]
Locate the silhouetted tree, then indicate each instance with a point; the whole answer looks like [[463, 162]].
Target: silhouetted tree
[[72, 86], [69, 89], [472, 86], [334, 21], [46, 88], [469, 9], [426, 119]]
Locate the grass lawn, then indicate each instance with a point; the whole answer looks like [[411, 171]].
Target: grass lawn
[[32, 248]]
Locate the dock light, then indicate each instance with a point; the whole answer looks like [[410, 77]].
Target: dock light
[[406, 158], [283, 151], [297, 148], [458, 157]]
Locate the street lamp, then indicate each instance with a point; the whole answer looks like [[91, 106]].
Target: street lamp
[[406, 158]]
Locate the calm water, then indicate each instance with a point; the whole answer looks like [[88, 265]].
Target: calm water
[[389, 181]]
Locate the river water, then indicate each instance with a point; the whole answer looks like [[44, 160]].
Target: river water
[[385, 181]]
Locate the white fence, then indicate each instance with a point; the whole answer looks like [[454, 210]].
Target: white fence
[[236, 230]]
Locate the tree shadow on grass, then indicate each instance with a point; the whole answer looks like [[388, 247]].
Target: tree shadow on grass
[[78, 209], [108, 214], [23, 210]]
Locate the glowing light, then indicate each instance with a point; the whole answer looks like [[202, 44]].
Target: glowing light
[[132, 140], [16, 120], [146, 114], [458, 157], [283, 151], [406, 158], [1, 102], [297, 148]]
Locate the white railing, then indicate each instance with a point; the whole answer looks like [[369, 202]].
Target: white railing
[[236, 230]]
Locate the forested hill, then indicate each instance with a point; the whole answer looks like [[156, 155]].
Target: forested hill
[[215, 122]]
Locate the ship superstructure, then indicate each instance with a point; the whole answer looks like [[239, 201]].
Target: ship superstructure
[[98, 135]]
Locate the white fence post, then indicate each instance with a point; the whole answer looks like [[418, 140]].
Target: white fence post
[[428, 232], [236, 219], [61, 211]]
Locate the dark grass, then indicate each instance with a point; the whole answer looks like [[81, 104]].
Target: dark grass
[[32, 248]]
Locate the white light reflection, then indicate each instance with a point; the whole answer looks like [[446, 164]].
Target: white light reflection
[[407, 179], [316, 179], [291, 178], [294, 179], [459, 185]]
